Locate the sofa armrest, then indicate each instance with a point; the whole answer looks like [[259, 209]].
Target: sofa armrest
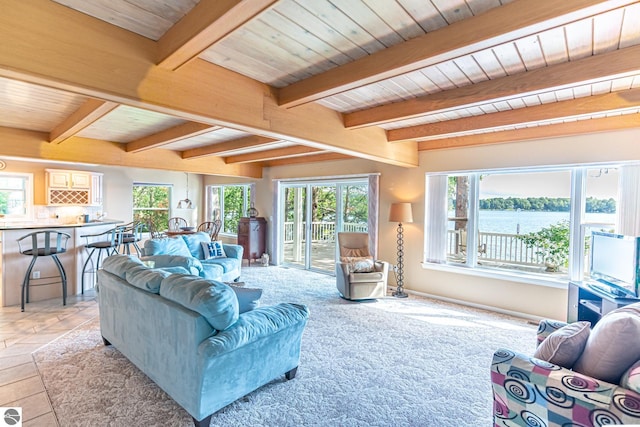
[[546, 327], [193, 265], [254, 325], [233, 251], [524, 386]]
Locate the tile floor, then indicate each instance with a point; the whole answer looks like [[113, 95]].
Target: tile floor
[[23, 333]]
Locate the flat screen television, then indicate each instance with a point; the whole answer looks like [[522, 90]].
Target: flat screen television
[[615, 260]]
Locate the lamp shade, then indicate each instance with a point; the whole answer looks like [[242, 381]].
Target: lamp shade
[[400, 212]]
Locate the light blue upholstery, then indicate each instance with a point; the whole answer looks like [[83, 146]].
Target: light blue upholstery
[[186, 250], [201, 368]]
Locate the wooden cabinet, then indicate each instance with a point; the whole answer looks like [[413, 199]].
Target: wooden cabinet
[[589, 301], [251, 236], [68, 187], [68, 179], [96, 189]]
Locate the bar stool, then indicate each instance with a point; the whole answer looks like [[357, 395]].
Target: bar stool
[[109, 243], [131, 234], [43, 243]]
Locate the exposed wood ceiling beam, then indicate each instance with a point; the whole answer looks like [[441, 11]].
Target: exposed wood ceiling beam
[[498, 25], [221, 148], [102, 61], [34, 145], [89, 112], [324, 157], [167, 136], [550, 131], [207, 23], [590, 69], [570, 108], [278, 153]]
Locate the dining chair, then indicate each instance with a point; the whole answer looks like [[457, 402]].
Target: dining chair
[[211, 227], [176, 223]]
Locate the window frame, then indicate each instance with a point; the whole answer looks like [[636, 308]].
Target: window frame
[[28, 197], [248, 190], [169, 210], [577, 228]]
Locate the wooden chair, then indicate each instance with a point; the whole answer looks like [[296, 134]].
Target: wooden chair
[[211, 227], [176, 223]]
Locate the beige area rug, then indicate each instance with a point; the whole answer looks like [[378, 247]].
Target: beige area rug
[[393, 362]]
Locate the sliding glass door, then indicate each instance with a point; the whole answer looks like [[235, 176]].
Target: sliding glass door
[[312, 215]]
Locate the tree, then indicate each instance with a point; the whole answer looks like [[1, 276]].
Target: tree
[[552, 244]]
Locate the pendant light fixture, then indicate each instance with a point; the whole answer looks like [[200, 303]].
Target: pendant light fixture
[[186, 203]]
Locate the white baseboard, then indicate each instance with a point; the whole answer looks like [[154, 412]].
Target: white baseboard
[[527, 316]]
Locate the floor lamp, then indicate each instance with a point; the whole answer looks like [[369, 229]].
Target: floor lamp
[[400, 212]]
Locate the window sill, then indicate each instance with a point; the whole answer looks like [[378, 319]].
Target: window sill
[[530, 279]]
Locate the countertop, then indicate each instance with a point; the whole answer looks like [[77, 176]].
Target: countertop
[[35, 225]]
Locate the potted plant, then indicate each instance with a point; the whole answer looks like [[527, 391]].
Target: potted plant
[[551, 243]]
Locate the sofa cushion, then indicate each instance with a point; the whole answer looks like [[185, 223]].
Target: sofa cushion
[[631, 378], [215, 301], [613, 346], [119, 264], [227, 264], [135, 272], [213, 250], [194, 243], [564, 346], [166, 246], [248, 298]]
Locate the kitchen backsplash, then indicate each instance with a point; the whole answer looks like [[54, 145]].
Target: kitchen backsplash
[[44, 214]]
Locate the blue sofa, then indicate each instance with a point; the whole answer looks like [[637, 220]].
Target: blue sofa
[[186, 333], [186, 251]]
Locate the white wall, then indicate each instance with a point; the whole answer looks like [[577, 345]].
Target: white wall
[[407, 185], [118, 185]]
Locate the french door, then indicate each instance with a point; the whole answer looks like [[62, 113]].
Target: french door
[[312, 214]]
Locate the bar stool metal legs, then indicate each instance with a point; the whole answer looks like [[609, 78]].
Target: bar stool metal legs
[[109, 245], [43, 243]]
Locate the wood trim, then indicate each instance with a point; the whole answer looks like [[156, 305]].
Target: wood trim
[[34, 145], [617, 63], [570, 108], [221, 148], [89, 112], [167, 136], [102, 61], [496, 26], [278, 153], [324, 157], [550, 131], [206, 24]]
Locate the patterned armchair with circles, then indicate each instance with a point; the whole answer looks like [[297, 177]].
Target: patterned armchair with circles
[[358, 275], [578, 375]]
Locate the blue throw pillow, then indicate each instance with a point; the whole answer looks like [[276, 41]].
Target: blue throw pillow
[[215, 301], [248, 298], [213, 249]]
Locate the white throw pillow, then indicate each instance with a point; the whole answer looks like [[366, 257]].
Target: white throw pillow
[[213, 249]]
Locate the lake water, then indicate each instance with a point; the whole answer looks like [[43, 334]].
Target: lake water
[[527, 221]]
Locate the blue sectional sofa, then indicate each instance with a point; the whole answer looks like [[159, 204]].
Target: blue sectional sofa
[[187, 335], [186, 251]]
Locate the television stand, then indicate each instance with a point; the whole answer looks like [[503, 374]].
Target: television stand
[[590, 300]]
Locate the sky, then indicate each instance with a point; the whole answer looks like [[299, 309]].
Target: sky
[[601, 184]]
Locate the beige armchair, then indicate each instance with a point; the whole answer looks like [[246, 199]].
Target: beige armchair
[[358, 275]]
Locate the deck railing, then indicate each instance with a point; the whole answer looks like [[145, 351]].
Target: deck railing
[[498, 247], [322, 231]]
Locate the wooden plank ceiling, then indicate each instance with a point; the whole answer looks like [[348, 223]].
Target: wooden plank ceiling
[[232, 86]]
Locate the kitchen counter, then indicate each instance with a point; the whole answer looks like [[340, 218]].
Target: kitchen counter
[[35, 225], [13, 264]]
